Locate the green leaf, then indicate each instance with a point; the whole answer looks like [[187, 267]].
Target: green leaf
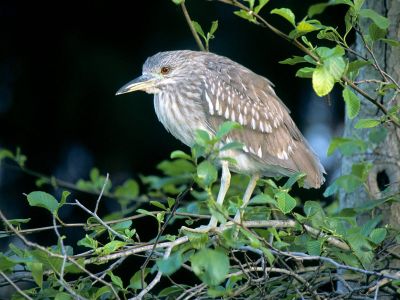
[[314, 247], [245, 15], [176, 167], [261, 4], [129, 189], [361, 170], [110, 247], [312, 208], [202, 137], [226, 128], [293, 60], [380, 21], [6, 263], [316, 9], [17, 222], [63, 296], [335, 66], [64, 197], [214, 27], [37, 272], [352, 102], [135, 282], [306, 72], [263, 199], [88, 242], [197, 240], [391, 42], [158, 204], [4, 153], [296, 177], [361, 247], [349, 183], [285, 202], [346, 146], [376, 33], [211, 266], [367, 123], [171, 264], [285, 13], [377, 135], [322, 81], [305, 27], [171, 292], [198, 29], [207, 173], [116, 279], [378, 235], [43, 199], [103, 293], [231, 145], [178, 2], [180, 154]]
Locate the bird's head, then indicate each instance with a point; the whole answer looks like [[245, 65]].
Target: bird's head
[[162, 71]]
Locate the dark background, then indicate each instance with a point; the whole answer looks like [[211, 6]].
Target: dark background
[[61, 63]]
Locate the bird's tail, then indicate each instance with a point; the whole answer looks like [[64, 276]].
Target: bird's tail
[[307, 162]]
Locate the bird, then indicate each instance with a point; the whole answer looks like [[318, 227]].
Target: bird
[[202, 90]]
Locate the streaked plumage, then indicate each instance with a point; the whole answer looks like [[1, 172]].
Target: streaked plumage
[[202, 90]]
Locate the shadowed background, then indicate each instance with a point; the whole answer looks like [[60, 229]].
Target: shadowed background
[[62, 62]]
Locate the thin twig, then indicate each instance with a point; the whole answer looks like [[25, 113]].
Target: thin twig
[[178, 200], [61, 280], [122, 237], [192, 29], [101, 194], [21, 292], [90, 226], [52, 254]]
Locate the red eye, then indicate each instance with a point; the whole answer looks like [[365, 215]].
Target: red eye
[[165, 70]]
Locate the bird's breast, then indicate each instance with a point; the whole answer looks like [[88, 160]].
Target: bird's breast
[[181, 117]]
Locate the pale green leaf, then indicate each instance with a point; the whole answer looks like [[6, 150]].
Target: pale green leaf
[[211, 266], [381, 21], [367, 123], [171, 264], [285, 13], [305, 27], [322, 81], [378, 235], [198, 29], [135, 282], [207, 173], [306, 72], [285, 202], [293, 60], [353, 103], [43, 199]]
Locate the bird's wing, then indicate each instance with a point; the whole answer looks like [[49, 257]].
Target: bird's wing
[[234, 93]]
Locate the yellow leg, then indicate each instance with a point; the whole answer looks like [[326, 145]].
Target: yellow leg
[[225, 182], [246, 197]]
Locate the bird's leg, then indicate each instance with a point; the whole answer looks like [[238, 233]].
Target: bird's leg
[[246, 197], [225, 182]]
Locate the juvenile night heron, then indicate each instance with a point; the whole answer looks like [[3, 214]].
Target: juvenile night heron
[[199, 90]]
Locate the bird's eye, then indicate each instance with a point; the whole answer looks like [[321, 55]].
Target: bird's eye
[[165, 70]]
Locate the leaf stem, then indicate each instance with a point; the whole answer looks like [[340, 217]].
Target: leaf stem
[[192, 29]]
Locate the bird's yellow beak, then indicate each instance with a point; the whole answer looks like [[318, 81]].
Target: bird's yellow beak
[[142, 83]]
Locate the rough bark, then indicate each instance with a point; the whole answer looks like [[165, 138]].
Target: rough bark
[[386, 156]]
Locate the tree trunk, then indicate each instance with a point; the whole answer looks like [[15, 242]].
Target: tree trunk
[[385, 157]]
